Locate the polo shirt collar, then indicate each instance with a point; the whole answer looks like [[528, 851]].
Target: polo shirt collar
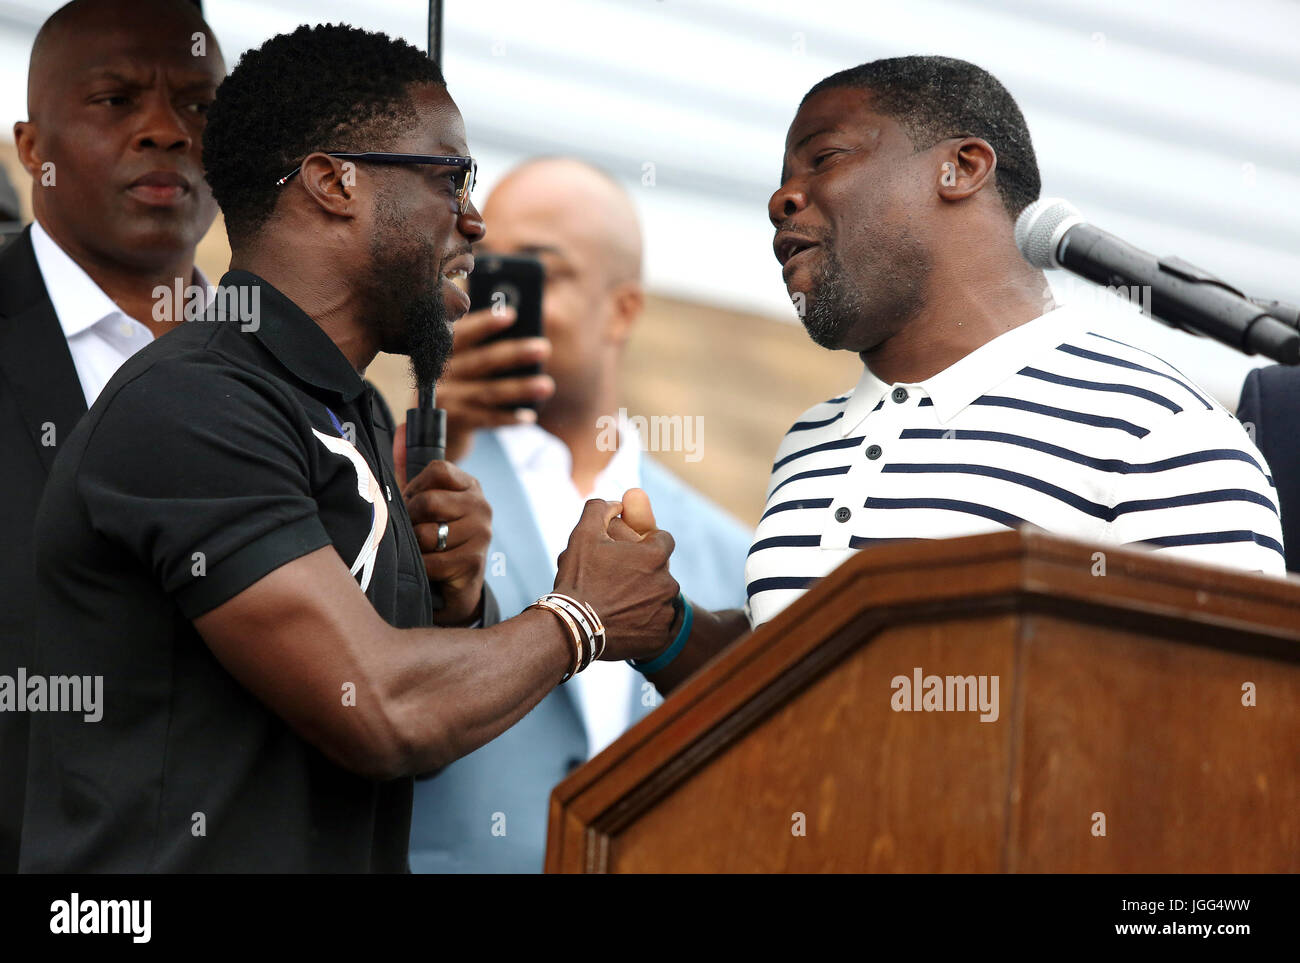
[[297, 341], [957, 386], [866, 396]]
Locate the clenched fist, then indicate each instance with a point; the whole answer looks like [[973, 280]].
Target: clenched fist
[[617, 562]]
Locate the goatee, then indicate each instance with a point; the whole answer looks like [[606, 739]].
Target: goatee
[[413, 320], [428, 337]]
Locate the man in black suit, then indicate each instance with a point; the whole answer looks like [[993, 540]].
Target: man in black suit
[[1270, 409], [117, 96]]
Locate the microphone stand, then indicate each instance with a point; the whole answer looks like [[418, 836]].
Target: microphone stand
[[426, 441]]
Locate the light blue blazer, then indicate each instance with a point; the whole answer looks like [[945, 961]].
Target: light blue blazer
[[486, 813]]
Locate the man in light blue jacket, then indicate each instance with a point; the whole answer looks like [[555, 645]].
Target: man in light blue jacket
[[487, 811]]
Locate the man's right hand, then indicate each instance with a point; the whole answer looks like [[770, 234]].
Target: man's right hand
[[625, 578], [472, 397]]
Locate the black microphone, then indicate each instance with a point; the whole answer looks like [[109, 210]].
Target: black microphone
[[1281, 310], [426, 441], [1051, 233]]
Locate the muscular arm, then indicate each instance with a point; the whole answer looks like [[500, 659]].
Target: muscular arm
[[422, 697]]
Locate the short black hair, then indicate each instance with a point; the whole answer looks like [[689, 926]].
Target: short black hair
[[934, 98], [327, 87]]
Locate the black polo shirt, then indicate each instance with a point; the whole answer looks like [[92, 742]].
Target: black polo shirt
[[214, 456]]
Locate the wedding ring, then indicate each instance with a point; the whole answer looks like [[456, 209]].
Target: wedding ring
[[442, 536]]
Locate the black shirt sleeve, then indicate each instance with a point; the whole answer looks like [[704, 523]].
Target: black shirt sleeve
[[204, 477]]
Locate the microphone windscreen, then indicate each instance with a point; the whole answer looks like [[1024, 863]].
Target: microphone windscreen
[[1039, 229]]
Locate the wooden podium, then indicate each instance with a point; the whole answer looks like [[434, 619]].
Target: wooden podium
[[1125, 738]]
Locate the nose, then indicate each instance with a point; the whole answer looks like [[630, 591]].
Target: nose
[[786, 201], [471, 225], [161, 125]]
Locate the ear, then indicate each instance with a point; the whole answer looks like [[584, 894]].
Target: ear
[[628, 299], [966, 165], [331, 183], [25, 142]]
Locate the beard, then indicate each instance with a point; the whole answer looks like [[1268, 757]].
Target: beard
[[834, 303], [841, 316], [413, 320], [428, 338]]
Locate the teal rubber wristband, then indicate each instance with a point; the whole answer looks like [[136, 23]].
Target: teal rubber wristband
[[661, 661]]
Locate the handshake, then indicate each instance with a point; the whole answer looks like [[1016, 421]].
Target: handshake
[[616, 560]]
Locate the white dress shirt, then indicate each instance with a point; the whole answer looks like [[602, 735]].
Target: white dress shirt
[[605, 691], [100, 336]]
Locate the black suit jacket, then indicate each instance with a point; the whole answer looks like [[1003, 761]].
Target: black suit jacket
[[1270, 401], [40, 402]]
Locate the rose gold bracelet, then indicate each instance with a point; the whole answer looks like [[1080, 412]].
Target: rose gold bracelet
[[574, 632], [597, 639]]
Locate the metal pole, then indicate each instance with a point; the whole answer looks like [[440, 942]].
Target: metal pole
[[435, 31]]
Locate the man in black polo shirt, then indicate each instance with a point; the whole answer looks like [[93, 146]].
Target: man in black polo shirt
[[223, 543]]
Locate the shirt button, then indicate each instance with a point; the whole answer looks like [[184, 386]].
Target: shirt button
[[900, 395], [126, 328], [873, 452], [842, 514]]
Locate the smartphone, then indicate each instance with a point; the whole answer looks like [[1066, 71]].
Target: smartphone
[[501, 281]]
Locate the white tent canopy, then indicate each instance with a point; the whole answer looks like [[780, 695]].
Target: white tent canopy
[[1171, 124]]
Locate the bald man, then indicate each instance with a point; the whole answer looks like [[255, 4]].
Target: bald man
[[487, 811], [116, 96]]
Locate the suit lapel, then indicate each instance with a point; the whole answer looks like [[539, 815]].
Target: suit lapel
[[34, 354]]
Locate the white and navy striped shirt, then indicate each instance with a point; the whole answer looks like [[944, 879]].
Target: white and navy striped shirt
[[1049, 424]]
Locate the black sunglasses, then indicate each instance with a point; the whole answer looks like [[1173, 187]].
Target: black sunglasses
[[467, 166]]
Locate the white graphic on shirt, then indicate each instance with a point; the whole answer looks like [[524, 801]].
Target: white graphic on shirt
[[368, 488]]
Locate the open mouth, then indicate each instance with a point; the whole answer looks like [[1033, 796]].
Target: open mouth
[[793, 252], [459, 268], [454, 285], [791, 246]]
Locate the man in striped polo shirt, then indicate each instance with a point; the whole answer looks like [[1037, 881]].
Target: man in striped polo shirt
[[980, 408]]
